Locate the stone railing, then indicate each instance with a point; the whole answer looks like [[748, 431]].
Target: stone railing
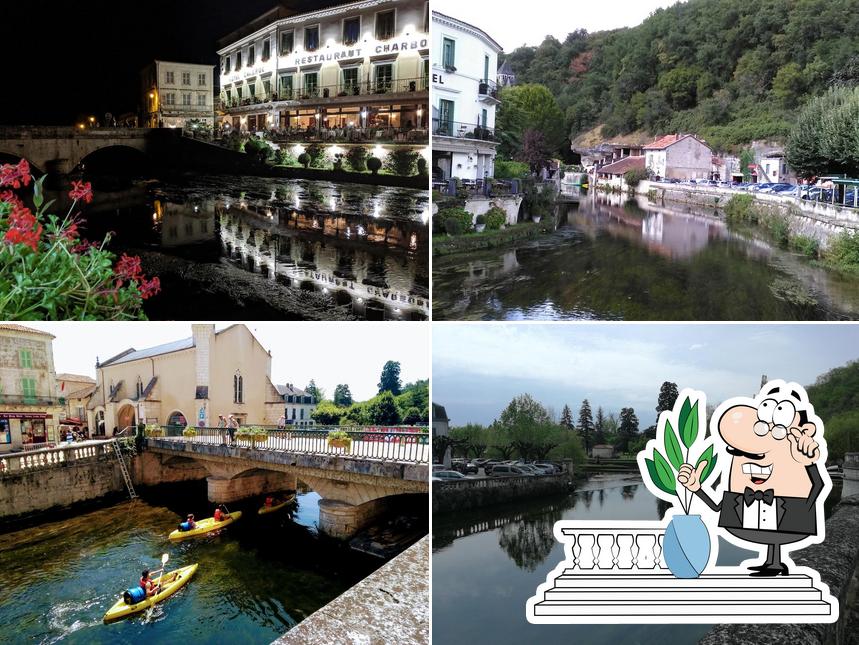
[[16, 463], [595, 547], [461, 494]]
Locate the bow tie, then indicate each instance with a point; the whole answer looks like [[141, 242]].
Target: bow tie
[[750, 496]]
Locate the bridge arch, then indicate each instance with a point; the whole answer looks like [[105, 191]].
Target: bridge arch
[[13, 158], [108, 159]]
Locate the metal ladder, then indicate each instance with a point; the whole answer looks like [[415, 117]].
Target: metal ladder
[[124, 468]]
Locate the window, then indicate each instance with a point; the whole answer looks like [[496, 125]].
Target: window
[[350, 80], [201, 100], [311, 84], [139, 387], [238, 385], [384, 78], [293, 414], [201, 79], [28, 389], [266, 50], [286, 87], [5, 431], [266, 88], [302, 414], [170, 98], [186, 78], [311, 38], [186, 98], [252, 89], [170, 78], [385, 24], [287, 43], [227, 64], [238, 61], [25, 359], [448, 53], [239, 92], [351, 31], [445, 117], [486, 69], [252, 55], [484, 118]]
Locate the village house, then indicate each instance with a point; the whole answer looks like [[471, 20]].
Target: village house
[[612, 175], [441, 428], [602, 451], [679, 156], [76, 391]]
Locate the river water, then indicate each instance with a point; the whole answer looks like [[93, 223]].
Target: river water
[[616, 259], [487, 563], [238, 247], [261, 576]]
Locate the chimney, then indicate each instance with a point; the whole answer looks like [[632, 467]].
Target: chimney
[[203, 344]]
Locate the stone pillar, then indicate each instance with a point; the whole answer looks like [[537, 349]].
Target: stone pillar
[[224, 491], [203, 335], [341, 520]]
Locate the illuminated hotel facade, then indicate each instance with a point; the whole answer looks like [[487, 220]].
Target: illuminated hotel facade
[[362, 65]]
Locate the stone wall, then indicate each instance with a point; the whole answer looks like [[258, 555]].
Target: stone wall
[[459, 495], [836, 559]]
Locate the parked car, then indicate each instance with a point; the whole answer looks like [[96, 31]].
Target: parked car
[[552, 468], [447, 475], [505, 470], [465, 467], [436, 467]]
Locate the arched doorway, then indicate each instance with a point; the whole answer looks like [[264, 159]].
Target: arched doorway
[[125, 417], [177, 420]]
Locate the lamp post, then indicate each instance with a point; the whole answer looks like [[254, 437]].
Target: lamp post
[[420, 117]]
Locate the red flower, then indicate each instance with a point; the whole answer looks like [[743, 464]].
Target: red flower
[[128, 268], [81, 191], [15, 176], [83, 246], [24, 228], [11, 198], [71, 232], [149, 288]]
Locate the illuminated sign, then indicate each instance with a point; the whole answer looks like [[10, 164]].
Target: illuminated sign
[[348, 53]]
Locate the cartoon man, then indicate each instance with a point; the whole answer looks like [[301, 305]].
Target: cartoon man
[[774, 479]]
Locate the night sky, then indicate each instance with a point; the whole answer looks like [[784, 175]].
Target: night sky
[[66, 60]]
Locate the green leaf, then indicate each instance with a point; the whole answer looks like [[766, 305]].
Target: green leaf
[[666, 474], [689, 430], [654, 476], [684, 414], [672, 446], [710, 458], [38, 192]]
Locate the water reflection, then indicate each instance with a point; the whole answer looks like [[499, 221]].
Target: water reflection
[[615, 258]]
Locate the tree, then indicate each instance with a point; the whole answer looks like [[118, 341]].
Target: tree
[[567, 418], [356, 415], [586, 424], [472, 439], [342, 395], [627, 430], [383, 410], [789, 84], [825, 139], [680, 86], [667, 396], [527, 427], [534, 150], [328, 413], [316, 392], [529, 106], [390, 379], [412, 417], [599, 427]]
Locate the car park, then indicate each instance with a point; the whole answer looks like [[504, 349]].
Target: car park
[[447, 475], [507, 470]]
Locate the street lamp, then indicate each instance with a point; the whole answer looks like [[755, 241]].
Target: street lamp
[[420, 117], [319, 122]]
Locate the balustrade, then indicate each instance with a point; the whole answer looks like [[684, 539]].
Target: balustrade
[[599, 548], [51, 457]]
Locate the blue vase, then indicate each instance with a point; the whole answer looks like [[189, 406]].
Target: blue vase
[[686, 546]]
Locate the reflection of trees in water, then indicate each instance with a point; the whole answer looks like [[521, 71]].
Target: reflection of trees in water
[[530, 541], [588, 497], [628, 491], [602, 497]]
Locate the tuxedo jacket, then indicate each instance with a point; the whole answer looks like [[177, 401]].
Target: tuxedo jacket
[[793, 514]]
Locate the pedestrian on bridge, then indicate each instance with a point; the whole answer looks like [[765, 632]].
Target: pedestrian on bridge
[[232, 425], [222, 424]]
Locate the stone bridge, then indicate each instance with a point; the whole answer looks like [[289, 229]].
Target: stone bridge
[[356, 483], [60, 150]]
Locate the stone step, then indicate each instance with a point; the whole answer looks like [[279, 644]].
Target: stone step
[[656, 594], [666, 580], [707, 610]]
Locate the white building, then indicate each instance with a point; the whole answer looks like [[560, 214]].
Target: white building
[[176, 93], [299, 406], [361, 64], [465, 96], [679, 156]]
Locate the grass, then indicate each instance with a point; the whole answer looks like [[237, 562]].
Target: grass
[[449, 245]]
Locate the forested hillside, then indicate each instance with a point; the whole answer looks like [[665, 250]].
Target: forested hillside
[[729, 70], [835, 397]]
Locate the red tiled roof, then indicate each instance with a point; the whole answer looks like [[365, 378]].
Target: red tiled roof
[[29, 330], [623, 165], [664, 142]]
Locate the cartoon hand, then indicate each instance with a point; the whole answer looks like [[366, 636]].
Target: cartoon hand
[[803, 447], [690, 476]]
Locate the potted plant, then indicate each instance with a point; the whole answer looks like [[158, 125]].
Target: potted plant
[[189, 432], [480, 223], [339, 439], [244, 436], [686, 546], [374, 164], [259, 435], [153, 430]]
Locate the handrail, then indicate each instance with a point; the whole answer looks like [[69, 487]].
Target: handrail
[[339, 90], [12, 463]]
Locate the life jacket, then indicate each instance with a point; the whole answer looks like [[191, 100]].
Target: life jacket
[[218, 515]]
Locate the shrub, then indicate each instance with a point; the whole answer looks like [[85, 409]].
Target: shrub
[[511, 169], [402, 162], [423, 167], [780, 229], [460, 214], [480, 219], [357, 158], [189, 432], [412, 416], [634, 177], [806, 245], [741, 208], [259, 149], [283, 158], [338, 162], [843, 251], [374, 164], [317, 155], [48, 273], [339, 438], [495, 218], [452, 226], [304, 159]]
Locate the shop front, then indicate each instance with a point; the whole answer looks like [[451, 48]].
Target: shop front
[[26, 430]]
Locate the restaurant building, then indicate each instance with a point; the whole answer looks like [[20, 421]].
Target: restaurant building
[[30, 409], [465, 97], [187, 382], [356, 66]]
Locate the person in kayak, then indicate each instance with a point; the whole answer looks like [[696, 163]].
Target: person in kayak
[[269, 501], [147, 584], [190, 522], [219, 516]]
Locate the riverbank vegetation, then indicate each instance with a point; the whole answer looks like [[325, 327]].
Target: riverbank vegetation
[[732, 71], [835, 396], [48, 271]]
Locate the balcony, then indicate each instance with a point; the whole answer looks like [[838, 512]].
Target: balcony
[[21, 399], [458, 130], [487, 91], [315, 94]]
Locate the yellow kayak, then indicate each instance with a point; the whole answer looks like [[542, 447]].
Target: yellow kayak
[[173, 582], [205, 526], [275, 507]]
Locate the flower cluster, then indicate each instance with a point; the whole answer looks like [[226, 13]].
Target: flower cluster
[[15, 176], [81, 191], [24, 228], [129, 268]]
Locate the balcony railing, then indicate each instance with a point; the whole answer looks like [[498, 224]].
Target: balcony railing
[[379, 87], [53, 456], [22, 399], [459, 130], [408, 444], [487, 89]]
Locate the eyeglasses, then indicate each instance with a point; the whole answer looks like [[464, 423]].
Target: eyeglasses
[[762, 428]]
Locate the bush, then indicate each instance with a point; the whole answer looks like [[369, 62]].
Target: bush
[[460, 214], [374, 164], [338, 162], [304, 159], [423, 167], [495, 218], [452, 226], [634, 177], [511, 169], [259, 149], [412, 416], [283, 158], [806, 245], [317, 155], [48, 273], [357, 158], [843, 251], [741, 208], [189, 432], [328, 414], [480, 219], [402, 162], [383, 410]]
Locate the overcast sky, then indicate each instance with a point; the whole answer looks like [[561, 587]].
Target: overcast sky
[[330, 353], [478, 369], [528, 23]]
